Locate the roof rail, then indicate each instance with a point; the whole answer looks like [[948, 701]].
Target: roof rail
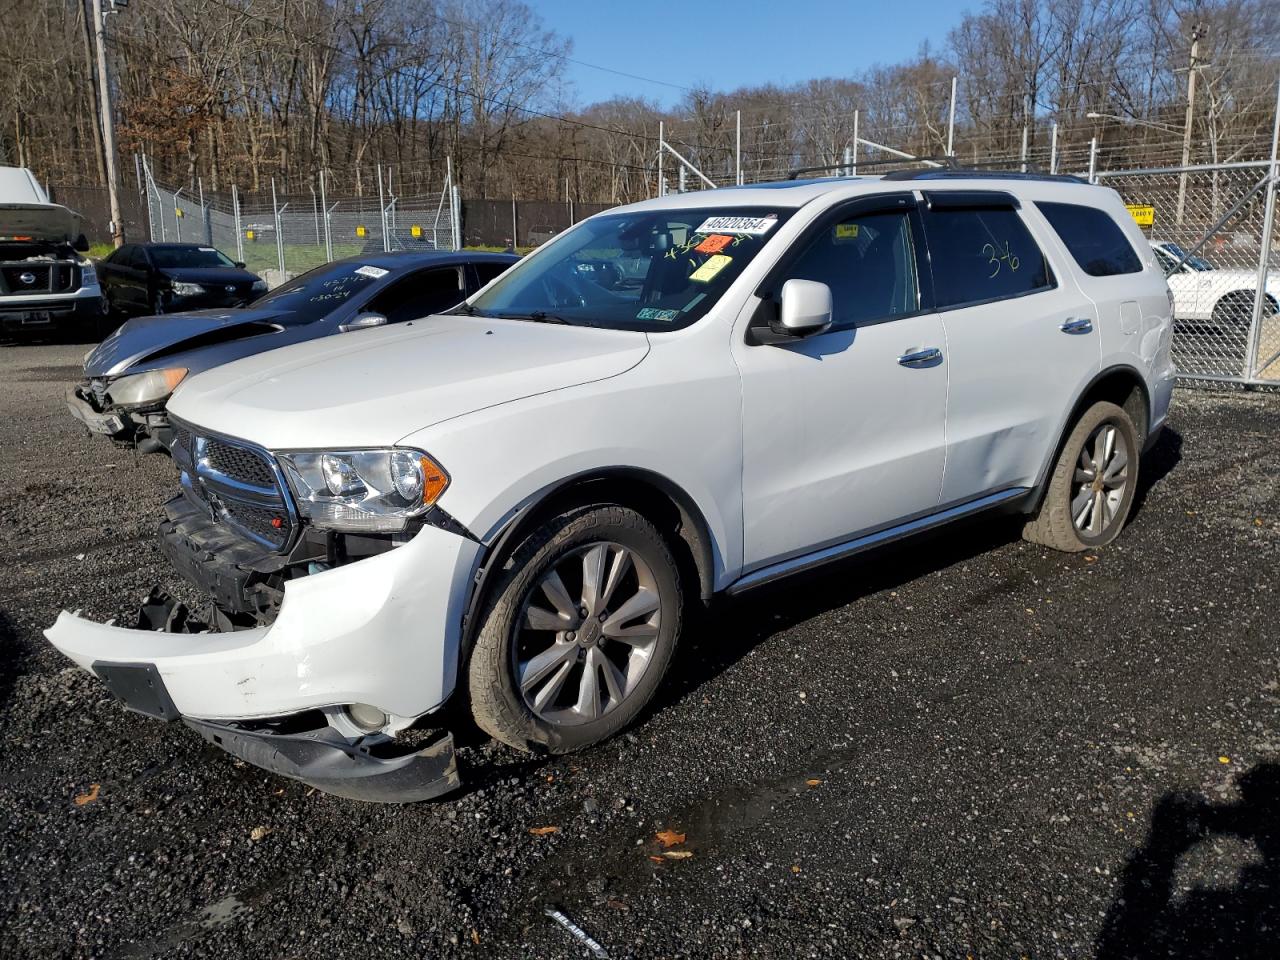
[[973, 173], [797, 172]]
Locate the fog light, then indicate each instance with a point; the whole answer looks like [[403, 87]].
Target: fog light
[[368, 718]]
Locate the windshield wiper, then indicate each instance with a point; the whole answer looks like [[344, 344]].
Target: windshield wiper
[[538, 316]]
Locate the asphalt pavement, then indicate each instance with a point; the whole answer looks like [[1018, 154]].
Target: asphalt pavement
[[965, 747]]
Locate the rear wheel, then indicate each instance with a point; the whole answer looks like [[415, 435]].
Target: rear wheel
[[1092, 485], [578, 631]]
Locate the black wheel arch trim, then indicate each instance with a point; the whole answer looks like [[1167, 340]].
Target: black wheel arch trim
[[1078, 408], [701, 544]]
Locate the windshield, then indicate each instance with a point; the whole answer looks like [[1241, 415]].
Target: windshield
[[168, 257], [1195, 263], [652, 270], [318, 293]]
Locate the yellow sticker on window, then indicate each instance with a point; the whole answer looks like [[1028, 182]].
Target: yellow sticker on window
[[707, 272], [846, 231]]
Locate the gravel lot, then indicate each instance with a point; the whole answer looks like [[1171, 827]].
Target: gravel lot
[[967, 746]]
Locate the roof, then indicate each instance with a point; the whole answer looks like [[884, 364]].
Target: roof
[[793, 194]]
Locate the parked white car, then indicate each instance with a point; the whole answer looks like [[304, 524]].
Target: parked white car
[[517, 502], [1204, 292]]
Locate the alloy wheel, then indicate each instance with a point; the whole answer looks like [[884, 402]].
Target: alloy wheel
[[1101, 480], [586, 633]]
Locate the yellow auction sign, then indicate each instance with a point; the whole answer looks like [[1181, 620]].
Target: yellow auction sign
[[360, 231], [415, 231], [1143, 213]]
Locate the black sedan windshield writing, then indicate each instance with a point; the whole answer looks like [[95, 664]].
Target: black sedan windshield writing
[[321, 291]]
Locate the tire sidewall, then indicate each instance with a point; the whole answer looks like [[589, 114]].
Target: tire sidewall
[[493, 659], [1095, 417]]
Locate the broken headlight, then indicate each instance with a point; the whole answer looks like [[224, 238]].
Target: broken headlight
[[149, 387], [366, 491]]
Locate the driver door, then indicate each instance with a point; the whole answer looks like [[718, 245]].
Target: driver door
[[844, 432]]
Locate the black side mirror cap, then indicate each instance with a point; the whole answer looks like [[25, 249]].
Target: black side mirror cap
[[239, 264], [82, 244]]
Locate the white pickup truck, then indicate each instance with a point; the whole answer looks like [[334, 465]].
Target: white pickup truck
[[46, 286]]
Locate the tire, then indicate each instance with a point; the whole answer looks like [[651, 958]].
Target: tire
[[1057, 521], [534, 630], [1233, 315]]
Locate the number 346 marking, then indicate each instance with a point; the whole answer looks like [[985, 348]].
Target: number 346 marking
[[995, 255]]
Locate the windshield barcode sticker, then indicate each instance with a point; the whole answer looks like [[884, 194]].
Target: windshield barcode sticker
[[752, 225], [376, 273]]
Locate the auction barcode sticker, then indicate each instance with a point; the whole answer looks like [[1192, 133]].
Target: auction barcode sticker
[[752, 225]]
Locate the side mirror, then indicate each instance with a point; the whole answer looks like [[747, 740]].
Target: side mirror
[[805, 309], [239, 264], [362, 321], [82, 244]]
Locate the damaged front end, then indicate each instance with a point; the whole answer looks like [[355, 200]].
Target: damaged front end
[[313, 657], [144, 425]]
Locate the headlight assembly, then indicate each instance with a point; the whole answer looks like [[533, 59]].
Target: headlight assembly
[[368, 491], [146, 387], [184, 289]]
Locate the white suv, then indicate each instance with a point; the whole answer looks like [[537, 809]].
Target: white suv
[[514, 504]]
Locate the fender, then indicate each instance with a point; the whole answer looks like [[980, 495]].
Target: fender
[[707, 556]]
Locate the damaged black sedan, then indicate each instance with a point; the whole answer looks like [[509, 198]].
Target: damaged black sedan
[[130, 375]]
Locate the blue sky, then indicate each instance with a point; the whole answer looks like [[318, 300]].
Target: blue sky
[[728, 45]]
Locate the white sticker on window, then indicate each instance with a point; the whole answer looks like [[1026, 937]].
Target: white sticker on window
[[208, 250], [376, 273], [752, 225]]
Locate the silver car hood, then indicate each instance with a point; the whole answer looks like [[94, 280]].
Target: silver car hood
[[143, 342]]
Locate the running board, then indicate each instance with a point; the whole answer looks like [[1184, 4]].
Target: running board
[[840, 551]]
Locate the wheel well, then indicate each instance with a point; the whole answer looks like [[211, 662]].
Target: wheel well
[[661, 502], [1244, 298], [1122, 386]]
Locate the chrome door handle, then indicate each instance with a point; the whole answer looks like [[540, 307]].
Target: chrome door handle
[[926, 357], [1076, 325]]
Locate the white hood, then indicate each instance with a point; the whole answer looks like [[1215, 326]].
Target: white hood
[[374, 387]]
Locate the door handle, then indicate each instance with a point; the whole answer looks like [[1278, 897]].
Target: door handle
[[925, 357], [1076, 325]]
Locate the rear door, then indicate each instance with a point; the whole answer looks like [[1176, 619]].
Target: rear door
[[843, 432], [1021, 336]]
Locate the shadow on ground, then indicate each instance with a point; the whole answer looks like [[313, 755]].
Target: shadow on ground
[[1149, 919]]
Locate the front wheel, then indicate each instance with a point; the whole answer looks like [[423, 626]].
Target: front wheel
[[578, 631], [1092, 485]]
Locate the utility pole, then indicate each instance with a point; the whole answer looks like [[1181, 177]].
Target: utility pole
[[108, 124], [1197, 32]]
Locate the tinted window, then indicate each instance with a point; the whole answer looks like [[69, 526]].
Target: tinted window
[[868, 262], [981, 254], [644, 270], [1095, 240], [171, 257], [138, 259], [487, 271], [419, 295]]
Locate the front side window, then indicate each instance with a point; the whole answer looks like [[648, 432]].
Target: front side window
[[869, 262], [1176, 253], [175, 257], [981, 254], [419, 295], [1094, 240], [651, 270]]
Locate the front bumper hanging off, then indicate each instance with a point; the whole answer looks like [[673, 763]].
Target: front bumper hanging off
[[362, 768], [378, 631]]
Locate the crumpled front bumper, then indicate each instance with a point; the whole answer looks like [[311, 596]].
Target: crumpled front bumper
[[382, 631], [109, 423]]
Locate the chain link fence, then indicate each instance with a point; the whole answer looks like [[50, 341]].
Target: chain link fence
[[280, 236], [1213, 229]]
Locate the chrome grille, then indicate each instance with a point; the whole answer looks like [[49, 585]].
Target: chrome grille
[[237, 482]]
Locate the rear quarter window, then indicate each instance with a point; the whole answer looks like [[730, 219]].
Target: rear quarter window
[[1094, 240]]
